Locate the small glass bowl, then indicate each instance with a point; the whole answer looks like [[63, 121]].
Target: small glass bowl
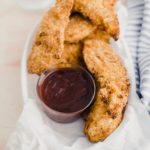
[[63, 117]]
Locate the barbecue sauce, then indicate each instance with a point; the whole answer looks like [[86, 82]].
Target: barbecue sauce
[[66, 89]]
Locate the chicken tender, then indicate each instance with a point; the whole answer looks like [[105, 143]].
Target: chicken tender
[[112, 89], [78, 28], [49, 41], [41, 59], [72, 53], [99, 34], [101, 12]]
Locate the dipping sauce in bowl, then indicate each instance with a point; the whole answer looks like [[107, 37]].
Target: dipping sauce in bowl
[[66, 92]]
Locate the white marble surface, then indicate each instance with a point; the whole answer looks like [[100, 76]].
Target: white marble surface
[[15, 25]]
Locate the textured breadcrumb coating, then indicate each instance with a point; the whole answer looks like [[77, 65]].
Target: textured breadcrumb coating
[[72, 53], [49, 41], [41, 59], [112, 89], [78, 28], [99, 34], [101, 12]]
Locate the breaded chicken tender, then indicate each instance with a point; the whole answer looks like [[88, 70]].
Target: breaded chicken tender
[[41, 59], [49, 41], [112, 89], [100, 12], [78, 28], [72, 53], [99, 34]]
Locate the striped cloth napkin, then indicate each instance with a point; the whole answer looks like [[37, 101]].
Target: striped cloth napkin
[[138, 39]]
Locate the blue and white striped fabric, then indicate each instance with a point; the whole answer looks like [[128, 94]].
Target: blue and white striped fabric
[[144, 55], [138, 39]]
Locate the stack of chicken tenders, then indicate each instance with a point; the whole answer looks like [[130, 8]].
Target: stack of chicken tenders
[[78, 32]]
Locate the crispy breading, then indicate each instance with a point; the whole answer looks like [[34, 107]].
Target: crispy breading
[[41, 59], [49, 41], [99, 34], [78, 28], [101, 12], [72, 53], [112, 89]]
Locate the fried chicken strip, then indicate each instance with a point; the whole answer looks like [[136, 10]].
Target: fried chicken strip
[[72, 53], [112, 89], [99, 34], [49, 41], [101, 12], [41, 59], [78, 28]]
